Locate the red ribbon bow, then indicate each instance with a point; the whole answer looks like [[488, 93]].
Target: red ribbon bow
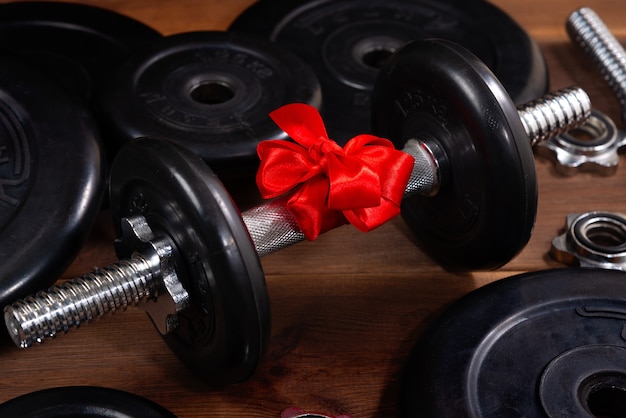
[[363, 183]]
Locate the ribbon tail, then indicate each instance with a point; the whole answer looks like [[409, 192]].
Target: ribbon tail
[[368, 219], [353, 183], [308, 206], [394, 167], [302, 122]]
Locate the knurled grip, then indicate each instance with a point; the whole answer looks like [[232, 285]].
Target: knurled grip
[[272, 227], [425, 175]]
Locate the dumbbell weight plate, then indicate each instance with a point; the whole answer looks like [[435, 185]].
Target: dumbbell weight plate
[[548, 343], [82, 401], [223, 334], [211, 92], [51, 179], [484, 212], [346, 41], [79, 44]]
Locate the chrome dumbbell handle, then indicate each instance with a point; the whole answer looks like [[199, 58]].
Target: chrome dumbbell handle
[[272, 227]]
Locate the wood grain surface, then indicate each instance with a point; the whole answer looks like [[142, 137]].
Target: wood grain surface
[[347, 308]]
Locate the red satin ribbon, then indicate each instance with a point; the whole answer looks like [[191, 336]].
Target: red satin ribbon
[[363, 183]]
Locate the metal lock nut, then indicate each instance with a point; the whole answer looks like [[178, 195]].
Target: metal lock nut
[[592, 147], [592, 239]]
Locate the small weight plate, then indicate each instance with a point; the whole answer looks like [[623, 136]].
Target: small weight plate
[[82, 401], [79, 44], [211, 92], [484, 212], [223, 334], [51, 179], [347, 41], [542, 344]]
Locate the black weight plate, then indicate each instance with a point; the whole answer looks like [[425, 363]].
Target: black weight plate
[[223, 334], [51, 179], [211, 92], [346, 41], [484, 212], [541, 344], [82, 401], [79, 44]]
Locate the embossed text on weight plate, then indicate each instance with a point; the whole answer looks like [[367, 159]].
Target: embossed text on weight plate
[[15, 163]]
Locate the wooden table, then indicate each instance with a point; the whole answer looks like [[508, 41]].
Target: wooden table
[[347, 308]]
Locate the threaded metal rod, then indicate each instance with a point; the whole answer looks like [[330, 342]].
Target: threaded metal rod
[[271, 227], [81, 300], [554, 114], [588, 31]]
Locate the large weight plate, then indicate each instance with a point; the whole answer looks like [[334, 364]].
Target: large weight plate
[[211, 92], [541, 344], [82, 402], [484, 212], [51, 179], [223, 334], [347, 41], [79, 44]]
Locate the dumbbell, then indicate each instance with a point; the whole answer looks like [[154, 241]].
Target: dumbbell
[[192, 260]]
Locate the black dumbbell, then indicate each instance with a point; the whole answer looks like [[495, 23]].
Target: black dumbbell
[[186, 247]]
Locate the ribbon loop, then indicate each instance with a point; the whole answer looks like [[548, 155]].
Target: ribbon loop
[[362, 183]]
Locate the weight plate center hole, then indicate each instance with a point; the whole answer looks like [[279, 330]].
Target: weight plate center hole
[[212, 92], [594, 136], [374, 52], [606, 234], [604, 396], [376, 58], [585, 133]]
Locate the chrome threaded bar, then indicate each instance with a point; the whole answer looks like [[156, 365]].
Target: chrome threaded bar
[[81, 300], [554, 114], [588, 31], [148, 275]]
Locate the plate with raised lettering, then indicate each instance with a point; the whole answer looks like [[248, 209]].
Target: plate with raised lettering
[[211, 92], [346, 42]]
